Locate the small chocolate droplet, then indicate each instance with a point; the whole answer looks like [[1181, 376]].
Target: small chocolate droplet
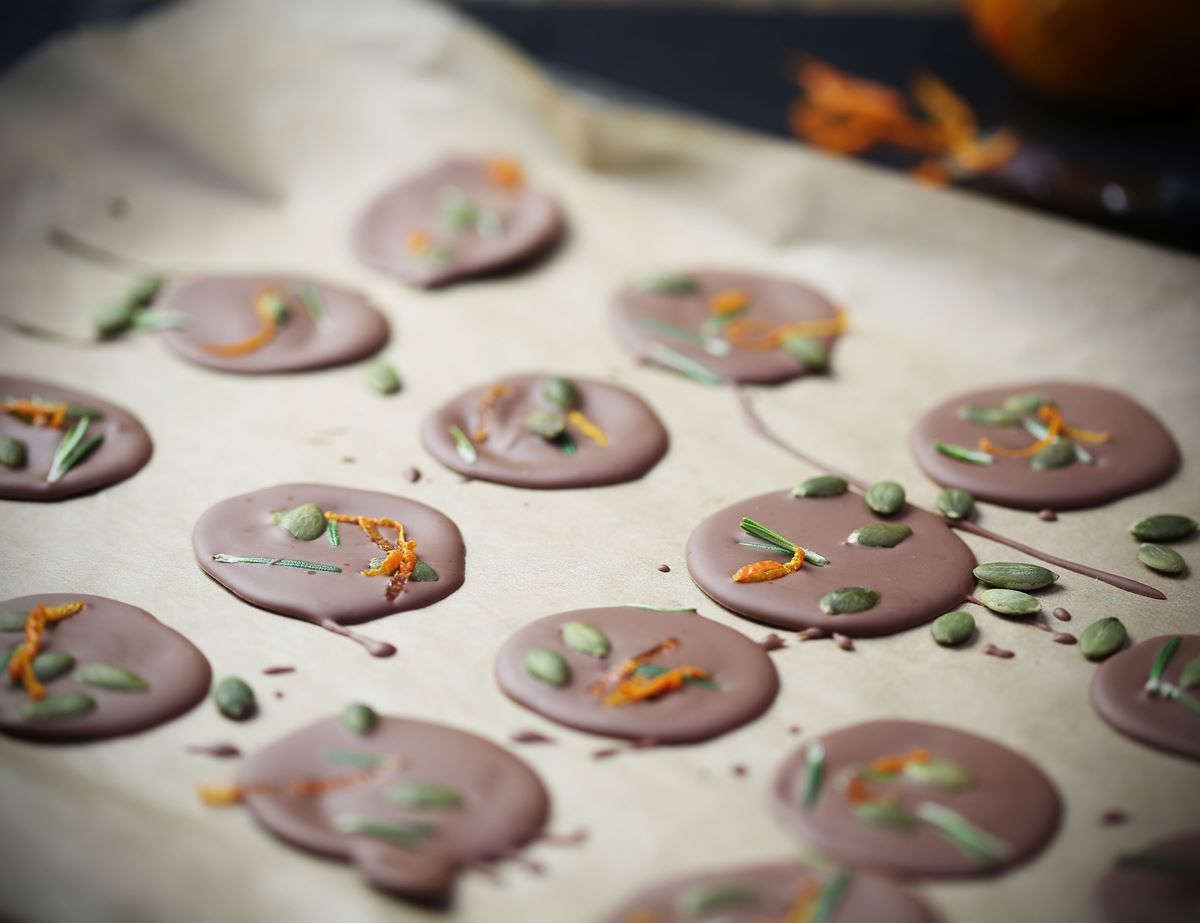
[[412, 475], [275, 671], [606, 753], [220, 751], [117, 207], [1061, 614], [992, 651], [1113, 817], [1064, 637], [812, 634], [772, 642], [843, 641], [279, 693], [349, 459], [739, 770], [793, 729], [1047, 515], [530, 737], [664, 568]]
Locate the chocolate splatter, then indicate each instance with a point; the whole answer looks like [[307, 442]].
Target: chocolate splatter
[[739, 770], [1064, 637], [530, 737], [1114, 817], [221, 751], [812, 634], [1047, 515], [412, 475], [606, 753], [1061, 614], [664, 568], [993, 651], [843, 641], [794, 729], [275, 671], [773, 642]]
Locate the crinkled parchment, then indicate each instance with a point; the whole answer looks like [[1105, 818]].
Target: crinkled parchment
[[246, 136]]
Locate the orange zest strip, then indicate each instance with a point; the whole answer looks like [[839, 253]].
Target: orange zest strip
[[731, 300], [804, 903], [1054, 424], [487, 406], [752, 334], [230, 794], [1085, 435], [894, 764], [400, 557], [640, 688], [418, 241], [20, 665], [266, 331], [769, 570], [624, 670], [37, 413], [856, 791], [504, 171], [587, 427]]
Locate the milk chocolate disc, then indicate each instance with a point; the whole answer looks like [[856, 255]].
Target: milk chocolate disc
[[927, 574], [768, 893], [342, 327], [738, 684], [175, 674], [1006, 801], [242, 526], [1139, 451], [457, 219], [417, 802], [1160, 883], [126, 446], [748, 352], [1119, 695], [618, 438]]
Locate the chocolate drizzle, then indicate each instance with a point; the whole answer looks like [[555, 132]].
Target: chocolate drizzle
[[992, 651], [373, 647]]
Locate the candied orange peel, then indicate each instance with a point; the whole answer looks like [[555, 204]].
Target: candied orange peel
[[268, 326], [761, 571], [38, 413], [224, 795], [505, 172], [487, 407], [20, 665]]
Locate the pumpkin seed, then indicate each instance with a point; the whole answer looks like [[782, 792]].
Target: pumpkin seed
[[1058, 454], [885, 498], [848, 599], [109, 676], [808, 350], [12, 452], [1013, 576], [383, 377], [1191, 674], [561, 392], [359, 719], [823, 485], [953, 628], [549, 424], [585, 638], [880, 535], [940, 774], [886, 814], [424, 795], [1102, 639], [697, 902], [987, 416], [954, 503], [1164, 527], [66, 705], [423, 572], [50, 665], [234, 699], [1028, 404], [13, 621], [670, 284], [306, 521], [548, 666], [1161, 558], [963, 454], [1009, 602]]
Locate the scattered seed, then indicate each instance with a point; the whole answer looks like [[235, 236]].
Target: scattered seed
[[848, 599], [383, 377], [1164, 527], [1161, 558], [823, 485], [885, 498], [12, 452], [586, 639], [1014, 576], [359, 719], [234, 699], [1102, 639], [1009, 602], [880, 535], [954, 503], [953, 628], [548, 666]]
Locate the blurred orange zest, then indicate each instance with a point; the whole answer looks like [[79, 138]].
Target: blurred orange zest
[[848, 115]]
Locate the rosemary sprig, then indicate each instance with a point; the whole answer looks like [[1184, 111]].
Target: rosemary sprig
[[406, 834], [353, 758], [779, 543], [664, 355], [1165, 653], [280, 562], [661, 608], [759, 545], [665, 328], [962, 453], [333, 533], [814, 774], [985, 848], [313, 303], [463, 445], [832, 894], [1153, 863], [72, 449], [1039, 431]]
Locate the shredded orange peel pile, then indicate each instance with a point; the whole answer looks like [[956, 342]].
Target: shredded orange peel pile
[[20, 665], [494, 393], [38, 413], [224, 795], [505, 172], [623, 685], [1055, 426], [753, 334], [268, 325], [856, 789], [400, 557]]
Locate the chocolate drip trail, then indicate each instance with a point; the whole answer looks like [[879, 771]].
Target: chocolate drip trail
[[1115, 580], [79, 248], [374, 648]]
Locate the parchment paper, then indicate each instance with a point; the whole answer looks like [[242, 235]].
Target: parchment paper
[[244, 136]]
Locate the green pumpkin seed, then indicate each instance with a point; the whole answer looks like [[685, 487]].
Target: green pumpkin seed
[[1191, 674], [823, 485], [1058, 454], [953, 628], [940, 774], [706, 899], [67, 705], [561, 392], [886, 814], [234, 699], [987, 416], [1028, 404], [359, 719], [848, 599], [954, 503], [12, 452], [1164, 527], [423, 572], [808, 350], [50, 665], [1161, 558], [885, 498], [1009, 602], [670, 284], [963, 454], [548, 666], [549, 424], [1102, 639], [383, 377], [1013, 576], [306, 521], [405, 834], [110, 676], [586, 639], [880, 535], [13, 621], [424, 795]]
